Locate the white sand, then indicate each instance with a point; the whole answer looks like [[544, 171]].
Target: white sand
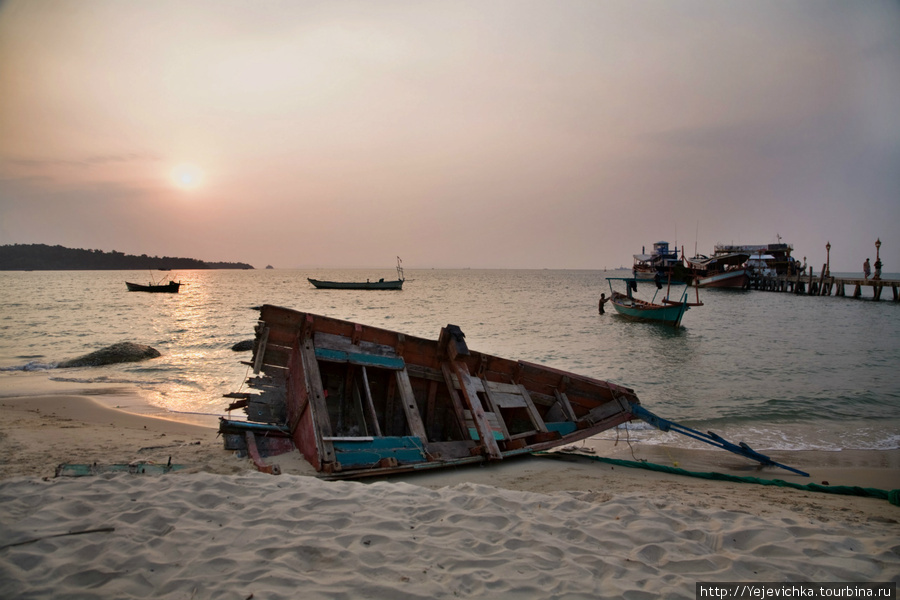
[[530, 528]]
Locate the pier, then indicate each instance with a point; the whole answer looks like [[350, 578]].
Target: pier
[[826, 285]]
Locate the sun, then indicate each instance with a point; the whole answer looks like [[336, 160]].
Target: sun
[[187, 177]]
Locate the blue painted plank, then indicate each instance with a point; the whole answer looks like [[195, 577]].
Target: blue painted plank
[[368, 360], [352, 453], [473, 433], [563, 427]]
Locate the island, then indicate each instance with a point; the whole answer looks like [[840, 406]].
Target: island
[[42, 257]]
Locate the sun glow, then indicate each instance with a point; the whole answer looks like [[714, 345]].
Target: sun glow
[[187, 177]]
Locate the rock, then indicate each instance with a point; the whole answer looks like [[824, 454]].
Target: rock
[[244, 346], [117, 353]]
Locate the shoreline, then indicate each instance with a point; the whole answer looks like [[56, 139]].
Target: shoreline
[[524, 528], [111, 424]]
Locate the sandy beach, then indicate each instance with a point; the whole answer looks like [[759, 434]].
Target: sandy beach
[[538, 527]]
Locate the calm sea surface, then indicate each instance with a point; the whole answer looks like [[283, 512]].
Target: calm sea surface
[[775, 370]]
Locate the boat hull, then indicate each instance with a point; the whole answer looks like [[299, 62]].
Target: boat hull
[[638, 310], [728, 279], [170, 288], [361, 401], [356, 285]]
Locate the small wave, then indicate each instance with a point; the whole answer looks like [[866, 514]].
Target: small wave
[[31, 366]]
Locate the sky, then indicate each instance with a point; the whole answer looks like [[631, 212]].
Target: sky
[[562, 134]]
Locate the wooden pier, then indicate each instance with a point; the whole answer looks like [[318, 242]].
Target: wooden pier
[[822, 285]]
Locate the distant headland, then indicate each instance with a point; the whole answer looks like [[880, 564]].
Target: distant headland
[[41, 257]]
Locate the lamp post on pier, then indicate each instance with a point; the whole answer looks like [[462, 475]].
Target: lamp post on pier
[[828, 259], [877, 259]]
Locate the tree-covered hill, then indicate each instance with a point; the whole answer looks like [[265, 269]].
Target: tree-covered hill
[[41, 257]]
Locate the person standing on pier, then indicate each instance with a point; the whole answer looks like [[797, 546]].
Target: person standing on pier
[[867, 270]]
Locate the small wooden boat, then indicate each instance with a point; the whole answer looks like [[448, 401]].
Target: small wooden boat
[[669, 312], [381, 284], [360, 401], [166, 288]]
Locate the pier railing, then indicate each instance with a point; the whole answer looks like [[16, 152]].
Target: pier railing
[[826, 285]]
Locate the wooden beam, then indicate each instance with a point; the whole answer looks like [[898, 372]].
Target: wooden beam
[[413, 418], [454, 397], [470, 394], [370, 405], [260, 350], [317, 402], [566, 406]]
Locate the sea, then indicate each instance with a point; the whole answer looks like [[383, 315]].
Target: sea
[[776, 370]]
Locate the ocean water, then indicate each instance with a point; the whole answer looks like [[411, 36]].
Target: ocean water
[[776, 370]]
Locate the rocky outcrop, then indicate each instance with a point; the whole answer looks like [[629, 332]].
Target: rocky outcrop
[[117, 353], [244, 346]]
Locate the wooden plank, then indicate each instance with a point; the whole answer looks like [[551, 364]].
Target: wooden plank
[[344, 344], [260, 350], [370, 405], [458, 407], [564, 403], [535, 415], [495, 410], [413, 418], [470, 394], [430, 405], [321, 422]]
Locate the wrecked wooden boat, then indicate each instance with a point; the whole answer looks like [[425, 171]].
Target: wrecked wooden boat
[[360, 401]]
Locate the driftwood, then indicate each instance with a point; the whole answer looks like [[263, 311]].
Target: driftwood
[[46, 537]]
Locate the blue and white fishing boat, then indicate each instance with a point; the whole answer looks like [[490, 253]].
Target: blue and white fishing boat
[[667, 311]]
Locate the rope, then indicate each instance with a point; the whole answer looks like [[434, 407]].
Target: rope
[[892, 496]]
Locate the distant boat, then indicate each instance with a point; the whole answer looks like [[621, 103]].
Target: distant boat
[[669, 312], [158, 287], [381, 284], [661, 262], [167, 288], [722, 270]]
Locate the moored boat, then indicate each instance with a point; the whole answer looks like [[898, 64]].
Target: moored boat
[[381, 284], [722, 270], [160, 288], [667, 311], [661, 262]]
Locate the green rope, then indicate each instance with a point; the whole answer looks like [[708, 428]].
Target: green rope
[[892, 496]]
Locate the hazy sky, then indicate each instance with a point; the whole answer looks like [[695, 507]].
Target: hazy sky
[[453, 133]]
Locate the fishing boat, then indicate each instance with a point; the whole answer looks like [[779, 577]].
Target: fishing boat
[[381, 284], [661, 262], [158, 288], [359, 401], [167, 288], [667, 311], [721, 270]]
